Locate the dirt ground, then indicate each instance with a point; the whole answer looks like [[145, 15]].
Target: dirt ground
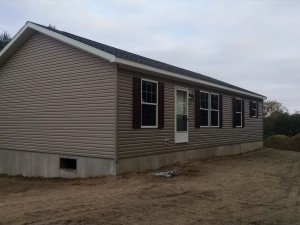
[[260, 187]]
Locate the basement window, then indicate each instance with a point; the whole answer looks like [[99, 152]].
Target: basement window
[[67, 164]]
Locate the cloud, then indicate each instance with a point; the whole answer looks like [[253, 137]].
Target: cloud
[[252, 44]]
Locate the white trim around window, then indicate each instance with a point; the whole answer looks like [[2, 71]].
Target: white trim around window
[[205, 109], [148, 103], [241, 112], [215, 110], [254, 103], [209, 110]]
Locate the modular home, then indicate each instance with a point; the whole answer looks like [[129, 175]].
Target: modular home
[[73, 107]]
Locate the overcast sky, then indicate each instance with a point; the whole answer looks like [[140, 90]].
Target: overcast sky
[[251, 44]]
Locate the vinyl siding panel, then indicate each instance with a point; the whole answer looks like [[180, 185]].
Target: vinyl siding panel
[[57, 99], [142, 142]]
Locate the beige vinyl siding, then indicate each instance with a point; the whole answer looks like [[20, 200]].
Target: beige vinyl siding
[[141, 142], [55, 98]]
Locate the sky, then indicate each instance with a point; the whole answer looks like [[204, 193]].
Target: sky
[[251, 44]]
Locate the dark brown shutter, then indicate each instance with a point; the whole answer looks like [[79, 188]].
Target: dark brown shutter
[[250, 107], [233, 112], [161, 105], [243, 114], [197, 109], [136, 103], [220, 111], [257, 109]]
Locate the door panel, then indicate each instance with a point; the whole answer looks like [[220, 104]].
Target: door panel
[[181, 115]]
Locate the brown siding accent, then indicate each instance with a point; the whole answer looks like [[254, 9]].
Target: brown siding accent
[[161, 105], [243, 113], [136, 106], [197, 109], [57, 99], [220, 111], [142, 142], [234, 112]]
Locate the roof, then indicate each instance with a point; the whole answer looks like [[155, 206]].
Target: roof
[[113, 54]]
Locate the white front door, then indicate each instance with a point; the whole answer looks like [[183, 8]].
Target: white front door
[[181, 115]]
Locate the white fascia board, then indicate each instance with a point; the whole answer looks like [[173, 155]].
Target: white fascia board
[[62, 38], [13, 40], [182, 77], [70, 41]]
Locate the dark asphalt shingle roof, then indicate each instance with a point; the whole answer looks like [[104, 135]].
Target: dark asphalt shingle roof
[[146, 61]]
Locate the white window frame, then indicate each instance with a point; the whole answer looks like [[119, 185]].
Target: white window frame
[[146, 103], [208, 108], [256, 104], [215, 110], [180, 133], [239, 112]]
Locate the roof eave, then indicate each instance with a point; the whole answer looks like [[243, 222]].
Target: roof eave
[[29, 28], [182, 77], [15, 42]]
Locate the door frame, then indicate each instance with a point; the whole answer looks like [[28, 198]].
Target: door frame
[[186, 140]]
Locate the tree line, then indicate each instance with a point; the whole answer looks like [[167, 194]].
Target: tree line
[[278, 120]]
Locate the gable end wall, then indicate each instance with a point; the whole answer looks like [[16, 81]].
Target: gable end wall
[[57, 99]]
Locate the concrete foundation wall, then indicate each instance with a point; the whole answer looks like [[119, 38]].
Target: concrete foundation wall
[[157, 161], [33, 164]]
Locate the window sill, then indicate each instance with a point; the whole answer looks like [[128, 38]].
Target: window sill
[[150, 127]]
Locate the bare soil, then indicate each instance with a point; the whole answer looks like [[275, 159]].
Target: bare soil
[[257, 188]]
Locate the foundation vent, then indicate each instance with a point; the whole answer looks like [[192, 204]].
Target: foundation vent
[[68, 164]]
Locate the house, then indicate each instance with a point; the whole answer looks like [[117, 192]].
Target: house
[[72, 107]]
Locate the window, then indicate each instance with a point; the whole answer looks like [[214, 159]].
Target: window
[[149, 104], [148, 109], [204, 109], [253, 109], [181, 110], [209, 109], [214, 117], [238, 112]]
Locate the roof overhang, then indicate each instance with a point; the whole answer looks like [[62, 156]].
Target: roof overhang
[[29, 28], [185, 78]]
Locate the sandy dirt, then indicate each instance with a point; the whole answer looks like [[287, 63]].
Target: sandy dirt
[[260, 187]]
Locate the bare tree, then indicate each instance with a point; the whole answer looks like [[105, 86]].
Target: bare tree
[[273, 106]]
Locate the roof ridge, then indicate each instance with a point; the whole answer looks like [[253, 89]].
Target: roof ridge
[[120, 53]]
